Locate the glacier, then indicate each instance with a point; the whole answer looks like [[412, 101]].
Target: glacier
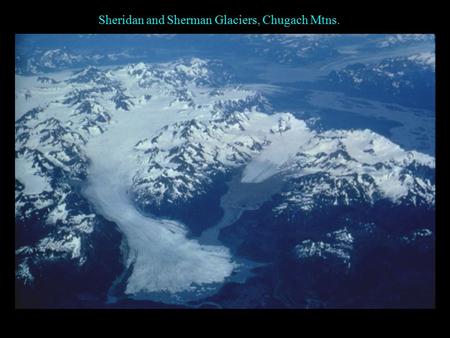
[[163, 258]]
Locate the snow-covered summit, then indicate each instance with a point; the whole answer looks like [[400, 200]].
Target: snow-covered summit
[[425, 58]]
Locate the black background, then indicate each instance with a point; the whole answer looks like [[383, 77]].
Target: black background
[[361, 17]]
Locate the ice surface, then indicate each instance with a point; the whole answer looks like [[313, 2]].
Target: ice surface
[[30, 178], [283, 145], [163, 258]]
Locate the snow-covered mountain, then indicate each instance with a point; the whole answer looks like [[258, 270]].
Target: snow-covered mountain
[[39, 61], [284, 49], [338, 166], [292, 48], [94, 146], [395, 40]]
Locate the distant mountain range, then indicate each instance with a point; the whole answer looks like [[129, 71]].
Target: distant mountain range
[[40, 54], [404, 80]]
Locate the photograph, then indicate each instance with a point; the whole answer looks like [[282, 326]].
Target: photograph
[[225, 171]]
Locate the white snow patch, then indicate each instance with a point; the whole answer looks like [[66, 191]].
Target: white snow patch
[[59, 213], [69, 244], [29, 176], [425, 58]]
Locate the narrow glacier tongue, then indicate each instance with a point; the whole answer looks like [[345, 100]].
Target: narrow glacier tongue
[[162, 257]]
